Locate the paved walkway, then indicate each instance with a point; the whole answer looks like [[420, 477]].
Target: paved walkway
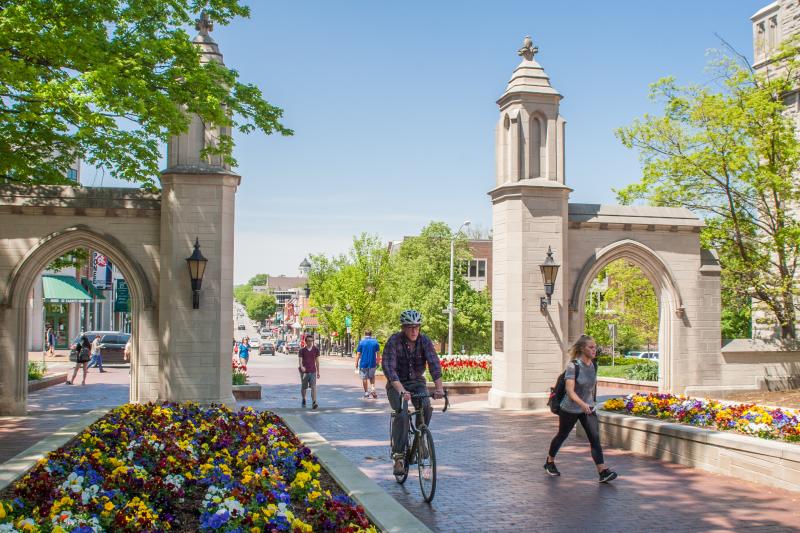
[[490, 476]]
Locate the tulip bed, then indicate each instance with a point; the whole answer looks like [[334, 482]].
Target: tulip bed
[[180, 467], [466, 368], [750, 419]]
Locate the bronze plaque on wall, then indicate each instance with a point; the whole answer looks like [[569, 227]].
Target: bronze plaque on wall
[[498, 335]]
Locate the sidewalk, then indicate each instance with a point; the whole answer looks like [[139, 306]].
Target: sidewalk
[[490, 462]]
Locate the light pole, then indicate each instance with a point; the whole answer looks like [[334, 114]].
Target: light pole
[[450, 304]]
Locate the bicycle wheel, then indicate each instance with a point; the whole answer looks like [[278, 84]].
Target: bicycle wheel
[[426, 464]]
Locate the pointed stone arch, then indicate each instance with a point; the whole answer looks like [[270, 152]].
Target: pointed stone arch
[[660, 276], [144, 312]]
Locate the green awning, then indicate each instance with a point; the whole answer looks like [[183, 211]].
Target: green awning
[[63, 289], [91, 289]]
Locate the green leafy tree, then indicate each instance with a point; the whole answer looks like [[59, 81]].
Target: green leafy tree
[[242, 292], [728, 152], [353, 284], [260, 306], [629, 302], [73, 259], [421, 280], [108, 81]]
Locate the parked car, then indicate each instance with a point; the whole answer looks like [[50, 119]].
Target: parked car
[[112, 345], [266, 348], [634, 354], [649, 355], [254, 343], [241, 326], [293, 347]]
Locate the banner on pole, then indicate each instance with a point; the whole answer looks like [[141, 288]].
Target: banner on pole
[[122, 302]]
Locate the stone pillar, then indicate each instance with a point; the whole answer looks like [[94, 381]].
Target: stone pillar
[[527, 217], [198, 201], [196, 343]]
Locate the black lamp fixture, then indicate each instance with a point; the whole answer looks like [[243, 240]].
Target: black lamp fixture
[[197, 267], [549, 274], [307, 290]]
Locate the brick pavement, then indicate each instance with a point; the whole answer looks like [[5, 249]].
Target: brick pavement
[[490, 476]]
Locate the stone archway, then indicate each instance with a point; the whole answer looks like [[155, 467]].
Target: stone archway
[[660, 276], [144, 313]]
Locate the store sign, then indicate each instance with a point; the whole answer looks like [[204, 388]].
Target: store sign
[[122, 303], [101, 271]]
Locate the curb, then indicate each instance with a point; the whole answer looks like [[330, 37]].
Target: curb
[[18, 465], [381, 508]]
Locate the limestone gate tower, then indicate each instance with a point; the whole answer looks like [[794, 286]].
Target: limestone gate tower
[[198, 199], [529, 212]]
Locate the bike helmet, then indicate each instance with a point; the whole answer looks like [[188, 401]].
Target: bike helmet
[[410, 317]]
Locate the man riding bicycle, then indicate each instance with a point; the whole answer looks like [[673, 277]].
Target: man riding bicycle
[[405, 357]]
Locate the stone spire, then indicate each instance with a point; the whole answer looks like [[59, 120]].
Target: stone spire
[[529, 76], [209, 50]]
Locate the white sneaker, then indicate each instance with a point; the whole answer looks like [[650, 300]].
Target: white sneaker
[[366, 396], [427, 473]]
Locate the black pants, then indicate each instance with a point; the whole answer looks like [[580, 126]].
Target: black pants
[[566, 421], [400, 423]]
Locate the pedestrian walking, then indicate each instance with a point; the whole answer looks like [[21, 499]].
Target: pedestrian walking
[[82, 349], [367, 361], [244, 350], [309, 370], [578, 405], [50, 339], [97, 355]]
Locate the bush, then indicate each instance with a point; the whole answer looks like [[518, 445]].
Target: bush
[[36, 370], [643, 370], [605, 360]]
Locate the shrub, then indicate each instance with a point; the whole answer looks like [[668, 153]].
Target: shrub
[[36, 370], [605, 360], [643, 370]]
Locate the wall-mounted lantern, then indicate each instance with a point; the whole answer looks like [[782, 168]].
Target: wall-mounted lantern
[[307, 290], [197, 267], [549, 274]]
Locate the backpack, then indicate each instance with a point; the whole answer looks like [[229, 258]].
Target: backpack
[[558, 391]]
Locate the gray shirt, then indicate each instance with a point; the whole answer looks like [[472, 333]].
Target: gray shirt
[[584, 386]]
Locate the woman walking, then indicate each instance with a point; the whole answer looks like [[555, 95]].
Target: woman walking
[[578, 406], [82, 349]]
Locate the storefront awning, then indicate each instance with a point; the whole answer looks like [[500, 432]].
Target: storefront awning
[[91, 289], [63, 289]]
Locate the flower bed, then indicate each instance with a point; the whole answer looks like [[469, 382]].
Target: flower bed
[[466, 368], [239, 372], [750, 419], [180, 467]]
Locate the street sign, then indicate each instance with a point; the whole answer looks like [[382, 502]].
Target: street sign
[[349, 330], [348, 321]]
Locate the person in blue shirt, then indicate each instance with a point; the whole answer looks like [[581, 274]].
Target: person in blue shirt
[[244, 350], [367, 360]]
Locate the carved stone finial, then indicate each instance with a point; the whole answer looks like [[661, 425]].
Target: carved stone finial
[[204, 24], [528, 50]]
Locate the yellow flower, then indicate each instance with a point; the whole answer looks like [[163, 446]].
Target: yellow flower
[[302, 526], [108, 506]]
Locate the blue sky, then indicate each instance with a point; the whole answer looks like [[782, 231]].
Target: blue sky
[[393, 107]]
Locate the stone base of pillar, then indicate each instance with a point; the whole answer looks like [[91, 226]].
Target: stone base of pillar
[[228, 401], [12, 408], [518, 401]]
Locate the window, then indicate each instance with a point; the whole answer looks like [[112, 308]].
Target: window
[[72, 174], [477, 268]]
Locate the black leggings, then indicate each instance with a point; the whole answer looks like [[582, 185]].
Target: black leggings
[[566, 421]]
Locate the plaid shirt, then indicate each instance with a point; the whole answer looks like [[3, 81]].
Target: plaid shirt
[[399, 364]]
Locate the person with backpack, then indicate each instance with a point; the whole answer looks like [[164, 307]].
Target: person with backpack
[[82, 349], [578, 405]]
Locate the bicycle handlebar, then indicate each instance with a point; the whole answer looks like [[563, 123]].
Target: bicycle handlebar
[[426, 395]]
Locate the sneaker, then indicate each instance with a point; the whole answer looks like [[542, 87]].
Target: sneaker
[[399, 466], [366, 396], [374, 395], [551, 469], [314, 405], [68, 382], [102, 371], [607, 475], [303, 403], [427, 473]]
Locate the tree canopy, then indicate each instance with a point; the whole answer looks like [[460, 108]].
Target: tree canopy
[[108, 82], [260, 306], [729, 152]]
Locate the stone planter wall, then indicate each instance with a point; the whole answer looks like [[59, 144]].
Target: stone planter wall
[[248, 391], [47, 381], [628, 384], [772, 463]]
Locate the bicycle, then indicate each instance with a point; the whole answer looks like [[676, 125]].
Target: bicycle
[[420, 449]]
